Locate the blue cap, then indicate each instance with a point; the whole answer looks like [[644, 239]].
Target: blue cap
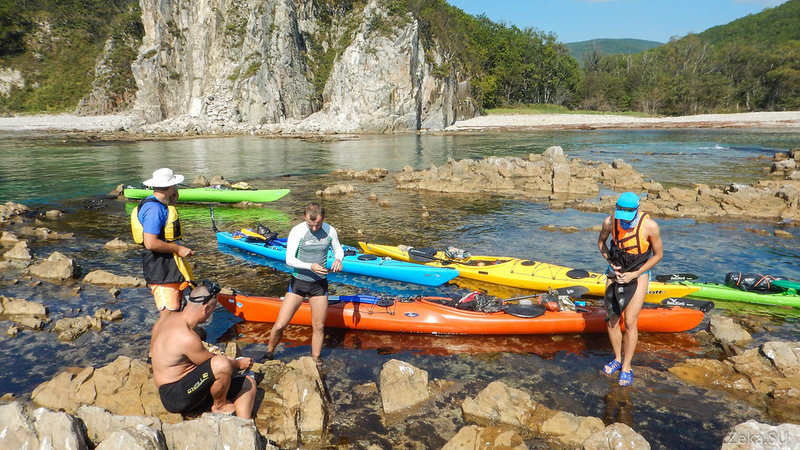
[[627, 204]]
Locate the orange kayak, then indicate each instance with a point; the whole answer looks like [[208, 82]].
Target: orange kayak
[[426, 315]]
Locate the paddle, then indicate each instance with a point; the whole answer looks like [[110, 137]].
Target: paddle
[[676, 277], [570, 291], [425, 255], [213, 221], [702, 305]]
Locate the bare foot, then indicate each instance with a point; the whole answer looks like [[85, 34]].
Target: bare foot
[[228, 408]]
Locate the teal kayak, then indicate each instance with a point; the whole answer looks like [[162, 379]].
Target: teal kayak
[[716, 291], [209, 194], [354, 262]]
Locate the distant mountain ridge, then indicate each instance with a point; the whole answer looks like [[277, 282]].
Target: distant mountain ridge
[[610, 47]]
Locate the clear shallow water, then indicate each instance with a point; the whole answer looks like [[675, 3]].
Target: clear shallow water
[[560, 371]]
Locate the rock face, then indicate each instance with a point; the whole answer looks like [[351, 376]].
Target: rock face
[[219, 66], [123, 387], [42, 429]]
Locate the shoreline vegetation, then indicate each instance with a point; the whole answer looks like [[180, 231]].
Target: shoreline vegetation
[[500, 120]]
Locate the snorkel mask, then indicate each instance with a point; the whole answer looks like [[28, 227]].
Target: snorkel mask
[[213, 290]]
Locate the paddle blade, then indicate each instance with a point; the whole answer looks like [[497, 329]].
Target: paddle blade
[[703, 305], [572, 291], [676, 277], [423, 255]]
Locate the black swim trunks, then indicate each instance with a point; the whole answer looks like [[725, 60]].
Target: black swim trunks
[[193, 390], [309, 288]]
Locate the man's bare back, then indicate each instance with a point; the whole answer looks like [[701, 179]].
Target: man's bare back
[[187, 374], [176, 350]]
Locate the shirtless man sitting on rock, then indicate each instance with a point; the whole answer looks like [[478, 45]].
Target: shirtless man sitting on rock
[[187, 375]]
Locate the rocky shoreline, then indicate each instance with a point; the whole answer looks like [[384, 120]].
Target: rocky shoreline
[[123, 127], [117, 404]]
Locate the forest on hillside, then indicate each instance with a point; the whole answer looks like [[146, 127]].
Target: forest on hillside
[[751, 64]]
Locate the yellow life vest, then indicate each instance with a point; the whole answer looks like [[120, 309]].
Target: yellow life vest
[[155, 271], [171, 232]]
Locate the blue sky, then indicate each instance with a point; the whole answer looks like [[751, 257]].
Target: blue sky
[[581, 20]]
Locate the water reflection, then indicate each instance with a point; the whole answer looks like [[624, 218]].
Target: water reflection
[[44, 169], [657, 345]]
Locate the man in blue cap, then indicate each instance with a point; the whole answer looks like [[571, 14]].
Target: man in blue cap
[[635, 247]]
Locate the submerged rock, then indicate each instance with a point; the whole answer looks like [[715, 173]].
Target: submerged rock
[[105, 278]]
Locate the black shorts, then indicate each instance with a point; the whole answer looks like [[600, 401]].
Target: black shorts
[[193, 390], [309, 288]]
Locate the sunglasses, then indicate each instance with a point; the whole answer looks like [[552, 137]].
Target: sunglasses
[[624, 208], [213, 290]]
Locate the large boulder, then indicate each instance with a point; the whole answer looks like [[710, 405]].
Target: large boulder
[[500, 404], [56, 267], [101, 424], [402, 386], [294, 405], [42, 429], [214, 431], [123, 387], [20, 251]]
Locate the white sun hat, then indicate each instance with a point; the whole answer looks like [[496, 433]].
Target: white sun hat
[[163, 178]]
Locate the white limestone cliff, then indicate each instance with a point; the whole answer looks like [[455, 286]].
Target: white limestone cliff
[[227, 65]]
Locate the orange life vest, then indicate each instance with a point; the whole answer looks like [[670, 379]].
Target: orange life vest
[[631, 241]]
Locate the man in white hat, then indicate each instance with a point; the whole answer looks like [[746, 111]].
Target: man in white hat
[[155, 224]]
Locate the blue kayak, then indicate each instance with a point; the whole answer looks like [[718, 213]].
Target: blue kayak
[[354, 262]]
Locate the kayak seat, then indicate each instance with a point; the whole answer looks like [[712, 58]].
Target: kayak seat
[[367, 257]]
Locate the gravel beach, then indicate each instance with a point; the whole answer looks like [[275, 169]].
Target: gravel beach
[[783, 119]]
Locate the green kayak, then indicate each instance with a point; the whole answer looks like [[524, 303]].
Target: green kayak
[[716, 291], [209, 194], [198, 213]]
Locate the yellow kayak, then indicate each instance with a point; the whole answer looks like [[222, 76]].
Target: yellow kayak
[[521, 273]]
